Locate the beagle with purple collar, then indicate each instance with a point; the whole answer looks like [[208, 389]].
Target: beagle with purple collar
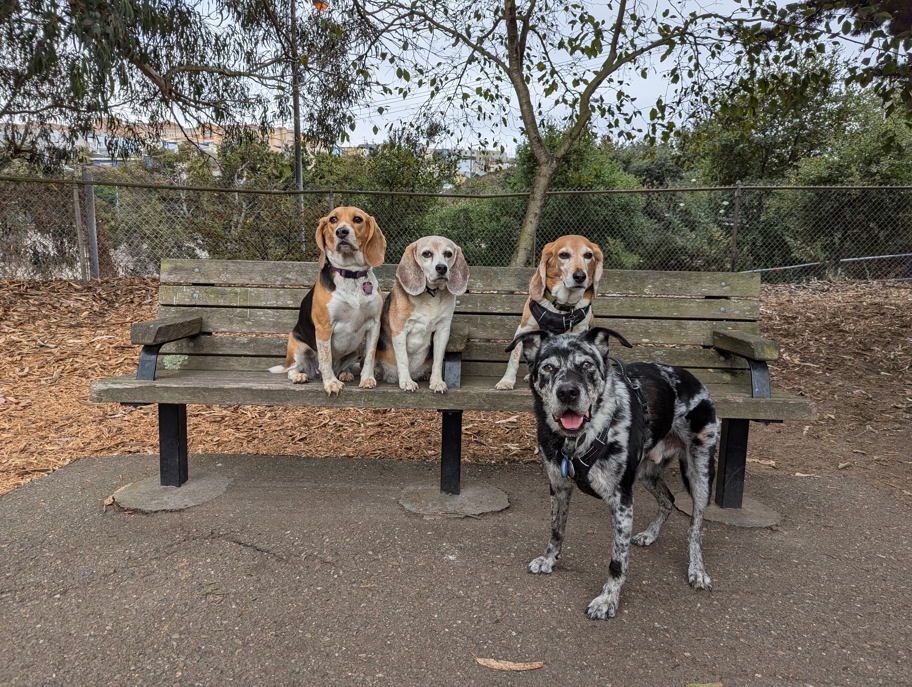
[[560, 294], [343, 308], [415, 325]]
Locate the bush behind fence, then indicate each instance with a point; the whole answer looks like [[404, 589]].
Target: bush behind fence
[[73, 229]]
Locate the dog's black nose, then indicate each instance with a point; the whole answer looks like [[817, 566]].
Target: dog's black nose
[[579, 276], [441, 268], [342, 232], [567, 393]]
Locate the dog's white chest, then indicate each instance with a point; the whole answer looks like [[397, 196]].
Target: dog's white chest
[[352, 312], [429, 315]]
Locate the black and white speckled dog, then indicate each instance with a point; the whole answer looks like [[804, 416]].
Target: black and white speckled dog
[[601, 426]]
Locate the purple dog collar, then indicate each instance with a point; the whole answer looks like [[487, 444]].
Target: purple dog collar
[[367, 287]]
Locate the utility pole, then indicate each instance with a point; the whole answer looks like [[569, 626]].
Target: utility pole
[[296, 104]]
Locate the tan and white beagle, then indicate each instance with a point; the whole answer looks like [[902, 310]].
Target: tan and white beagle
[[343, 308], [560, 294], [418, 312]]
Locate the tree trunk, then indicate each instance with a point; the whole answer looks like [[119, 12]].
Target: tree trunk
[[537, 197]]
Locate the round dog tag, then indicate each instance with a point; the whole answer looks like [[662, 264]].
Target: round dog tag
[[367, 288]]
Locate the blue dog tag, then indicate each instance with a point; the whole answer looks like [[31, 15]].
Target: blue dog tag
[[567, 468]]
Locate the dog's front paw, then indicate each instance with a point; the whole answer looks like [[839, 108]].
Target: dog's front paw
[[541, 565], [699, 579], [368, 383], [603, 607], [438, 386], [299, 378], [504, 385], [408, 385], [347, 376], [644, 538], [332, 386]]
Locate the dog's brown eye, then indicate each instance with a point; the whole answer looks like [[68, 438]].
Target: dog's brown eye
[[548, 368], [427, 254], [588, 256], [564, 255], [586, 365], [357, 220], [333, 220], [448, 254]]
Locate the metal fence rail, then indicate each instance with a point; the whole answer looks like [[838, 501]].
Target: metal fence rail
[[76, 228]]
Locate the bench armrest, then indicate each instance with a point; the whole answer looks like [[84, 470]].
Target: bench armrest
[[459, 334], [157, 332], [745, 345]]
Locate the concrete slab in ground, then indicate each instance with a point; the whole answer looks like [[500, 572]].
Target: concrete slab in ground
[[149, 496], [473, 499], [311, 572], [752, 513]]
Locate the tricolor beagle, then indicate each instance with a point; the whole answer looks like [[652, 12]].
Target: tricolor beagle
[[418, 312], [560, 294], [344, 306]]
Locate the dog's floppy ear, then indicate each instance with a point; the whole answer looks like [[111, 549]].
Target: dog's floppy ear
[[375, 247], [459, 274], [320, 241], [598, 336], [531, 342], [599, 261], [409, 272], [539, 281]]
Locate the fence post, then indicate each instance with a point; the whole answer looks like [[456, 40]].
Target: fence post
[[737, 219], [91, 227], [331, 200], [80, 248]]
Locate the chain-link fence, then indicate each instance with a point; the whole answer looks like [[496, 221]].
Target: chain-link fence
[[76, 228]]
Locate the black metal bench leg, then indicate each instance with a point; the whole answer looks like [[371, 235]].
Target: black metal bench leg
[[732, 459], [172, 443], [450, 451]]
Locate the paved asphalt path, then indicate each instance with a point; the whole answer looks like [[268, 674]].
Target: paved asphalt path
[[309, 572]]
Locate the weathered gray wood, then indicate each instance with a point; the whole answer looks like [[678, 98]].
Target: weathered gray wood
[[229, 345], [263, 321], [494, 371], [683, 357], [634, 282], [490, 303], [746, 343], [254, 388], [164, 329], [249, 363]]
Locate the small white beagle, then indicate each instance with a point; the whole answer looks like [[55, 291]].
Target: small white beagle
[[418, 312]]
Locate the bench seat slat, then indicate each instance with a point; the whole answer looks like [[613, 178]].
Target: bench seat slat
[[635, 282], [502, 303], [254, 388]]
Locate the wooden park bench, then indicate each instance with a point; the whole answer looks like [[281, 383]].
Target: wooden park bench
[[201, 351]]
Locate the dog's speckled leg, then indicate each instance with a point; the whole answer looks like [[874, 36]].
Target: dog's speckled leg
[[605, 605], [561, 490]]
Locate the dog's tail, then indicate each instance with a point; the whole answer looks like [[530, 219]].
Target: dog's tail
[[280, 369]]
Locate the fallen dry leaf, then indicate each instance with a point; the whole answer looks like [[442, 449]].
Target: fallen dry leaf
[[801, 474], [494, 664]]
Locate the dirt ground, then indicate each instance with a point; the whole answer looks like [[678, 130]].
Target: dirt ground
[[847, 346]]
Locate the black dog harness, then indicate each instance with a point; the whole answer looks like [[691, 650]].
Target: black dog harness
[[558, 323], [577, 467]]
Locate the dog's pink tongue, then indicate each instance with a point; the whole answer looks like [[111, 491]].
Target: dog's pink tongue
[[571, 420]]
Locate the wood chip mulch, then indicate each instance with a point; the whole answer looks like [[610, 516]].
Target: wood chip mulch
[[845, 345]]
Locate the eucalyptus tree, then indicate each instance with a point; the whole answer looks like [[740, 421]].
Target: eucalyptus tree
[[502, 63]]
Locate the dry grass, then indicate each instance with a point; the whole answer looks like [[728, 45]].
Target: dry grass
[[845, 345]]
